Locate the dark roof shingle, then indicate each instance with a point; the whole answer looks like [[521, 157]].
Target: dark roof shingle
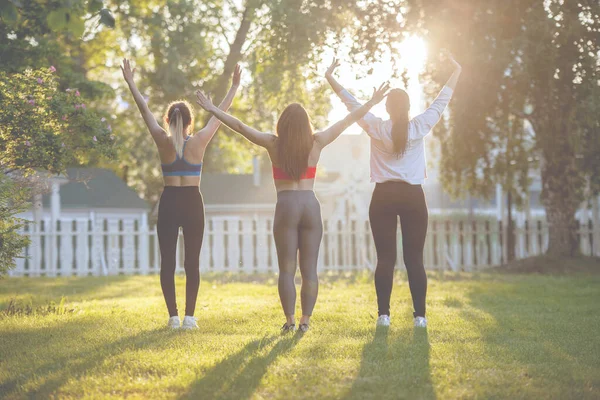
[[96, 188]]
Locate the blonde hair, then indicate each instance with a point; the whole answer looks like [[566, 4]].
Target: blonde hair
[[178, 120]]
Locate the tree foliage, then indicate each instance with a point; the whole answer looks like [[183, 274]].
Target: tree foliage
[[41, 128], [14, 199], [529, 93], [182, 46], [44, 128]]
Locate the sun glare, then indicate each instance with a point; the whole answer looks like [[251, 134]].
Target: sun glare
[[413, 54], [411, 57]]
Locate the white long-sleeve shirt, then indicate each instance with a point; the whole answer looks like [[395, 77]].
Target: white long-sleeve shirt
[[385, 164]]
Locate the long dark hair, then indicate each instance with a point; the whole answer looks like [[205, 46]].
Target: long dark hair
[[295, 140], [398, 107]]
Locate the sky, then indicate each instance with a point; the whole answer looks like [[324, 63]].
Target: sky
[[413, 52]]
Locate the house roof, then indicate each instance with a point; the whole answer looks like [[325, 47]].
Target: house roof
[[96, 188]]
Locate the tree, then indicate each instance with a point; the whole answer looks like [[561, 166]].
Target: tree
[[527, 64], [183, 46], [14, 199], [42, 128]]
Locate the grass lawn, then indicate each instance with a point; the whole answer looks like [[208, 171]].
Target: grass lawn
[[490, 335]]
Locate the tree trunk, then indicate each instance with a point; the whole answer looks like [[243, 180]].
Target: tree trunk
[[235, 53], [219, 90], [562, 194]]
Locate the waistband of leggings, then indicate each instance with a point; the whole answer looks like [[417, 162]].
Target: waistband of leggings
[[182, 189], [396, 183], [296, 193]]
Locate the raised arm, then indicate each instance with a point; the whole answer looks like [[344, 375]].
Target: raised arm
[[158, 133], [335, 85], [206, 134], [253, 135], [369, 122], [425, 122], [455, 75], [330, 134]]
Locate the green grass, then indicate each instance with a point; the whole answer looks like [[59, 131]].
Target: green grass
[[489, 336]]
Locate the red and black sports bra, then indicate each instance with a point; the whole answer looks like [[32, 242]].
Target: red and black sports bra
[[309, 173]]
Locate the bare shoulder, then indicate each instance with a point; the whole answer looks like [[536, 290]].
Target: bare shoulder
[[320, 141], [160, 135], [270, 141], [271, 148]]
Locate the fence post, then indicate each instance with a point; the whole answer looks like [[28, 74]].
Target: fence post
[[66, 247], [82, 255], [128, 255], [247, 233], [218, 249], [143, 234], [262, 254], [596, 226], [583, 230], [99, 266]]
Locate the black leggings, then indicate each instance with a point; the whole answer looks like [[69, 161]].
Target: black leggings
[[390, 200], [180, 207], [298, 230]]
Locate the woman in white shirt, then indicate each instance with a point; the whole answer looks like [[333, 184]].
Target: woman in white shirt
[[398, 168]]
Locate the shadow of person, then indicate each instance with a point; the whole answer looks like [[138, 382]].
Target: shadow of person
[[394, 368], [238, 376], [84, 357]]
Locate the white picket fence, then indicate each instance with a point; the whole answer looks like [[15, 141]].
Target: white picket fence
[[87, 246]]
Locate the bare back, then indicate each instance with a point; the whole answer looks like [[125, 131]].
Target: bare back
[[303, 184], [193, 153]]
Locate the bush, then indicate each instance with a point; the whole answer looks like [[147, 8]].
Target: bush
[[13, 200], [42, 128]]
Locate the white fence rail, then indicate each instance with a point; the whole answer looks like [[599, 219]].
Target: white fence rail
[[99, 246]]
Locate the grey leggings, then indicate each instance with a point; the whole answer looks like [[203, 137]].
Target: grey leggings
[[298, 230]]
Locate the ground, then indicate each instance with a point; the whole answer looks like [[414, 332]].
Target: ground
[[490, 335]]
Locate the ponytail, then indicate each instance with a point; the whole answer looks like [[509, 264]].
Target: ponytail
[[400, 135], [176, 131]]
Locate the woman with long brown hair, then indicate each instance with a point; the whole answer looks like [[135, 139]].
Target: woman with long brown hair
[[398, 168], [297, 226], [181, 203]]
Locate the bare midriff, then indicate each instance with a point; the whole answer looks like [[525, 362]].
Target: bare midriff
[[304, 184], [181, 180]]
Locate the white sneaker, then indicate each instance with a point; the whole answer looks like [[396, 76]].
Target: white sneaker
[[420, 322], [174, 322], [189, 323], [383, 320]]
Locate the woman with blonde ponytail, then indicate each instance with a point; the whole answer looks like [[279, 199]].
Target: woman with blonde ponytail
[[398, 168], [181, 203]]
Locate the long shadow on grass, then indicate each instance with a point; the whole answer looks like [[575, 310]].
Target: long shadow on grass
[[541, 329], [395, 370], [43, 343], [238, 376], [97, 288]]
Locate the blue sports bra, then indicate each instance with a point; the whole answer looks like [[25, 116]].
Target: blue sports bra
[[180, 167]]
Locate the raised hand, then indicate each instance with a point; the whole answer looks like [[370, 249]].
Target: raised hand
[[454, 63], [334, 64], [127, 71], [204, 101], [237, 74], [379, 94]]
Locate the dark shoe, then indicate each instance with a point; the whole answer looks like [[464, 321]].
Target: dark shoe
[[288, 328]]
